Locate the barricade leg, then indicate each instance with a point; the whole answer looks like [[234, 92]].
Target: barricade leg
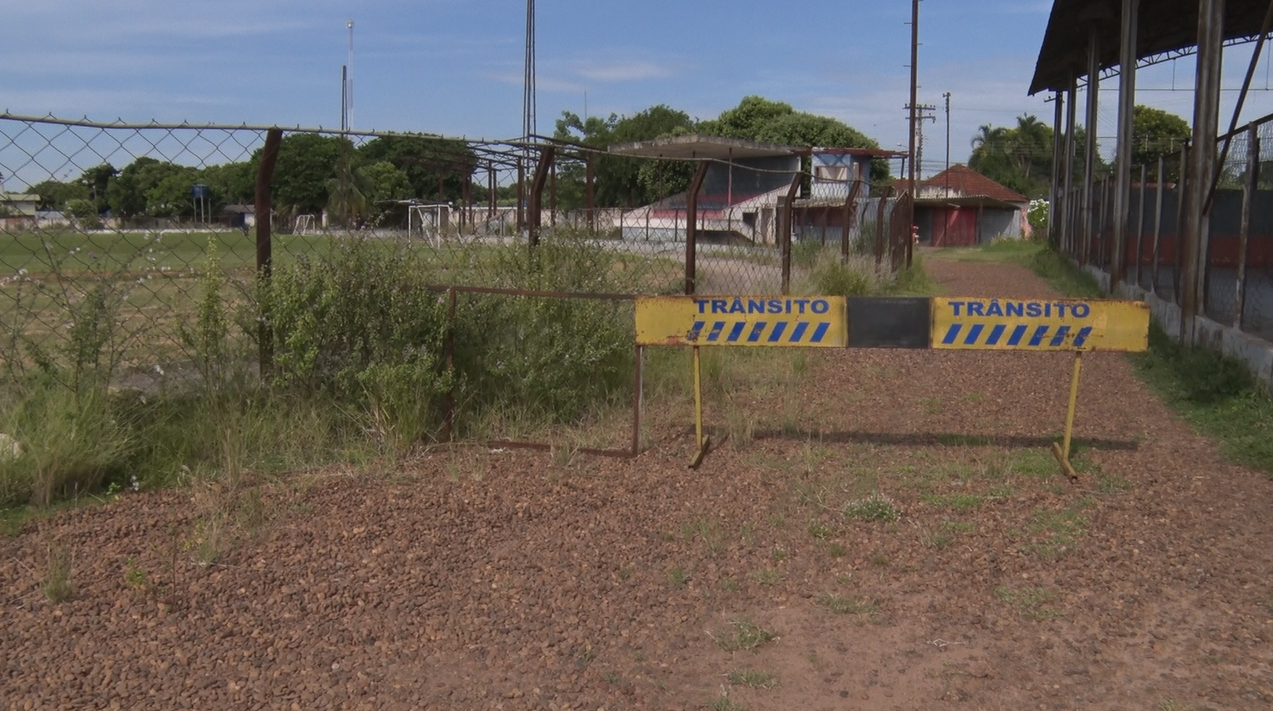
[[700, 441], [1062, 451]]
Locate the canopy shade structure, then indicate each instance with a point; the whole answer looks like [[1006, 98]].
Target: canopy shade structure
[[1164, 26]]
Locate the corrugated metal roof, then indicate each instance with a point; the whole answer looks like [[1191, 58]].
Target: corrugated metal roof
[[698, 146], [1163, 26]]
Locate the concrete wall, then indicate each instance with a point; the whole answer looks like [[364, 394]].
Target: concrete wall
[[998, 222], [1256, 353]]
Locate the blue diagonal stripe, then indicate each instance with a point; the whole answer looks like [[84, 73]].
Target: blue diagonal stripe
[[697, 329], [1037, 338], [736, 332], [820, 332], [973, 334], [777, 332], [756, 331], [1017, 334], [1081, 338], [951, 334], [995, 334], [1059, 338], [798, 333], [714, 334]]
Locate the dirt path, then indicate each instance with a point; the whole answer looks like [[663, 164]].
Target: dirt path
[[526, 581]]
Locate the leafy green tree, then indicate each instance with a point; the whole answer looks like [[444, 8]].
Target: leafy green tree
[[129, 193], [54, 194], [748, 119], [1019, 157], [424, 160], [621, 181], [306, 164], [172, 196], [96, 182], [759, 119], [84, 211], [385, 182], [230, 183], [1156, 132]]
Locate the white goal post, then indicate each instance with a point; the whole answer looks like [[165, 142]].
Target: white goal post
[[428, 222], [304, 225]]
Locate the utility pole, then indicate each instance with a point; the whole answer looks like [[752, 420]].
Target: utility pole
[[911, 106], [947, 171], [921, 113]]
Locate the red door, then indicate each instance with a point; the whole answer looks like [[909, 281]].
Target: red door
[[953, 227]]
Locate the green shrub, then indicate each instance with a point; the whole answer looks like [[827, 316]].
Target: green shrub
[[338, 314], [61, 443], [856, 276]]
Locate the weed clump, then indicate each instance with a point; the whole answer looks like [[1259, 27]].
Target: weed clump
[[876, 507]]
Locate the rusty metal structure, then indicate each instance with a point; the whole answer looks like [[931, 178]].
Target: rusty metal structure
[[1100, 221]]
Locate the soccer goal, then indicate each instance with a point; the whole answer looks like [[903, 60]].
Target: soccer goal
[[428, 222], [304, 225]]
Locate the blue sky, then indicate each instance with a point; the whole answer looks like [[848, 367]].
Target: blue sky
[[455, 66]]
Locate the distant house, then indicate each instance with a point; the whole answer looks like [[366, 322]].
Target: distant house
[[51, 218], [960, 207], [743, 191], [240, 216], [18, 210], [738, 201], [821, 215]]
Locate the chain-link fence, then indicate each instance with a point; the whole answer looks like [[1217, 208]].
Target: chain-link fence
[[1237, 262], [118, 240]]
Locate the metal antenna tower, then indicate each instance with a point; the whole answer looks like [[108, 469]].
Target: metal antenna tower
[[349, 79], [529, 127]]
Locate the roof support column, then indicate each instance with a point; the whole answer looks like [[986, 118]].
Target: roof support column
[[1055, 194], [1202, 159], [1067, 186], [1123, 159], [1089, 152]]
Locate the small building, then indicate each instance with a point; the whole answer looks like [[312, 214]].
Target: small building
[[739, 199], [241, 216], [821, 215], [960, 207], [18, 210], [51, 218]]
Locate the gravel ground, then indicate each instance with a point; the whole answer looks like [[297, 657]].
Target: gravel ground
[[516, 580]]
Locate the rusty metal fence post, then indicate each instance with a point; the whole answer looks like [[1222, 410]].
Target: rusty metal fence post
[[590, 177], [850, 212], [536, 198], [691, 231], [879, 225], [264, 216], [788, 217]]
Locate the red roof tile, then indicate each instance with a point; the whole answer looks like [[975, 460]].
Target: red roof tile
[[970, 183]]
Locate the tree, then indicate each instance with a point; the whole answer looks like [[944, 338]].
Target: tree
[[759, 119], [618, 180], [129, 193], [172, 196], [424, 160], [1156, 132], [748, 119], [1019, 157], [385, 183], [230, 183], [54, 194], [306, 163], [96, 182]]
